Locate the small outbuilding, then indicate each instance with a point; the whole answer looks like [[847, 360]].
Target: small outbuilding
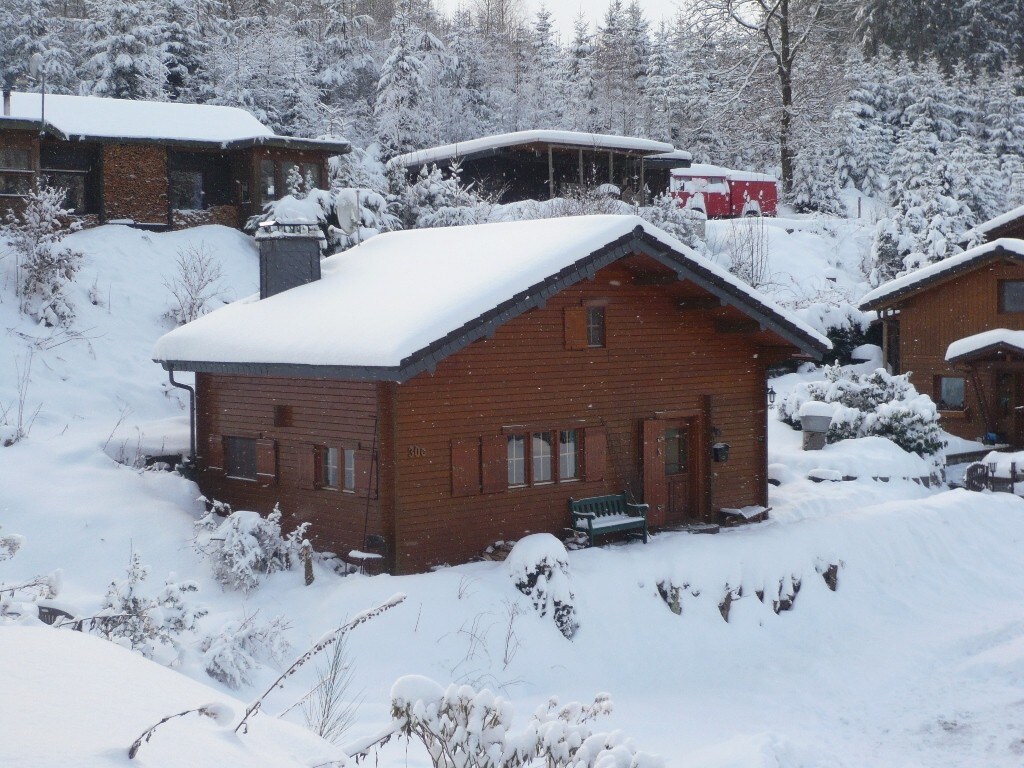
[[430, 392], [542, 164], [724, 193], [957, 326]]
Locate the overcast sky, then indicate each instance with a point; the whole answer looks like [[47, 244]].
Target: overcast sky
[[565, 11]]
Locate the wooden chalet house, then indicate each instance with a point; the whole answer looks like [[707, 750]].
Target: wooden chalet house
[[540, 164], [158, 165], [958, 327], [432, 391]]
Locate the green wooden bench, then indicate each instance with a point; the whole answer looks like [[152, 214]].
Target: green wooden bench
[[597, 515]]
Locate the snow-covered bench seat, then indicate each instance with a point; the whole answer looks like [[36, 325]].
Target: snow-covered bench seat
[[598, 515]]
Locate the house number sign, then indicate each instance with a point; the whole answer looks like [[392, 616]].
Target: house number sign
[[417, 452]]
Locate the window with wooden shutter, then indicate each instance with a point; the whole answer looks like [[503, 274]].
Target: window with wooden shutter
[[215, 453], [266, 461], [575, 320], [595, 452], [309, 456], [494, 464], [466, 466]]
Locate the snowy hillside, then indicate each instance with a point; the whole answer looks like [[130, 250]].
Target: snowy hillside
[[916, 657]]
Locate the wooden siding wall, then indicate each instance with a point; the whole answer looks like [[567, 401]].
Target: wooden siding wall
[[135, 183], [18, 140], [657, 359], [320, 412], [932, 320]]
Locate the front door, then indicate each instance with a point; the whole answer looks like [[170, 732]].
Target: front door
[[669, 470]]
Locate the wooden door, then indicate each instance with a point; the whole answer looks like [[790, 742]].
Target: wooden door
[[668, 470], [1017, 411]]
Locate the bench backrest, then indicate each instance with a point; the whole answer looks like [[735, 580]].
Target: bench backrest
[[614, 504]]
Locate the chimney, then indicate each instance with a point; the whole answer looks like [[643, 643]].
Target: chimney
[[289, 255], [7, 102]]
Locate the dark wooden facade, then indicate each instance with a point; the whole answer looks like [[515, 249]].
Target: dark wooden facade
[[152, 184], [431, 453], [920, 324]]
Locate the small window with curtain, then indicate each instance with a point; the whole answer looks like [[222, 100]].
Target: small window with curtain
[[330, 469], [951, 391], [568, 455], [268, 182], [595, 326], [350, 469], [516, 460], [542, 455]]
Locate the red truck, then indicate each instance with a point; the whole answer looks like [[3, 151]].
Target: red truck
[[722, 193]]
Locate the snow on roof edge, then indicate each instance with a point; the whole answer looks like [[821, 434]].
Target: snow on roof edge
[[497, 141], [899, 285], [993, 223], [979, 341]]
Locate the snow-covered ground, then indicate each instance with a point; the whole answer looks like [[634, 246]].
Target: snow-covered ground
[[917, 658]]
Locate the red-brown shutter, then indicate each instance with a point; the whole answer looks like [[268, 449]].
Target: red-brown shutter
[[575, 327], [215, 453], [494, 450], [366, 479], [309, 456], [266, 461], [466, 466], [595, 452]]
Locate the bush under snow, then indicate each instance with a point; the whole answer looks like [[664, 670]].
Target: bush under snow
[[246, 545], [539, 566], [240, 646]]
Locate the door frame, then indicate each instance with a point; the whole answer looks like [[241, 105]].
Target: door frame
[[655, 487]]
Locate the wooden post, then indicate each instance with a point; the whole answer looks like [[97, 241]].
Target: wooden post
[[551, 174], [611, 167], [643, 184], [581, 168]]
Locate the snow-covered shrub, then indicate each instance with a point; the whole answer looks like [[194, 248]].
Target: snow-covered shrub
[[664, 212], [876, 403], [539, 567], [348, 215], [439, 200], [843, 323], [144, 623], [44, 267], [246, 545], [230, 654], [460, 727], [9, 545], [195, 284]]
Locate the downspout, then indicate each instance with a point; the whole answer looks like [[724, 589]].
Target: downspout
[[191, 414]]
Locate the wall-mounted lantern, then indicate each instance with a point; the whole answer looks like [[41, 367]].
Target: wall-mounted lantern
[[771, 395]]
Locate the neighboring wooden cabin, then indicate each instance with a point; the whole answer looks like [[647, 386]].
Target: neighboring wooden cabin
[[158, 165], [942, 323], [539, 165], [1009, 224], [440, 389]]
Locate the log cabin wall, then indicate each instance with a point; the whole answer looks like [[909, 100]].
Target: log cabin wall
[[658, 358], [296, 416], [19, 164], [930, 321]]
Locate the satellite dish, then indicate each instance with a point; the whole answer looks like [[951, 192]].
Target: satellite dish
[[35, 64]]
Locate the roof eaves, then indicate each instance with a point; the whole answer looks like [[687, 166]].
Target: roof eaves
[[982, 352], [291, 370], [765, 316], [887, 300]]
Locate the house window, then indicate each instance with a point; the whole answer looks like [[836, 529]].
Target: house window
[[15, 171], [311, 174], [240, 457], [1011, 295], [675, 451], [541, 451], [186, 190], [951, 393], [350, 469], [268, 183], [516, 460], [286, 174], [595, 327], [330, 470], [73, 183], [568, 455]]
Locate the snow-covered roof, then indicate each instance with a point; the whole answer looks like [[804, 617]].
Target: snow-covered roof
[[962, 262], [985, 227], [402, 301], [704, 170], [485, 144], [996, 338], [94, 117]]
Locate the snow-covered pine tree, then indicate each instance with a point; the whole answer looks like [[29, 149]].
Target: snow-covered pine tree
[[866, 138], [462, 104], [401, 111], [31, 29], [543, 86], [184, 49], [581, 111], [125, 59], [1004, 132], [815, 174]]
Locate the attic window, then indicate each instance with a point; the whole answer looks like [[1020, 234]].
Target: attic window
[[1011, 295], [595, 326]]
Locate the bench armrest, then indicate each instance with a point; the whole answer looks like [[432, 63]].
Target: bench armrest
[[643, 507]]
